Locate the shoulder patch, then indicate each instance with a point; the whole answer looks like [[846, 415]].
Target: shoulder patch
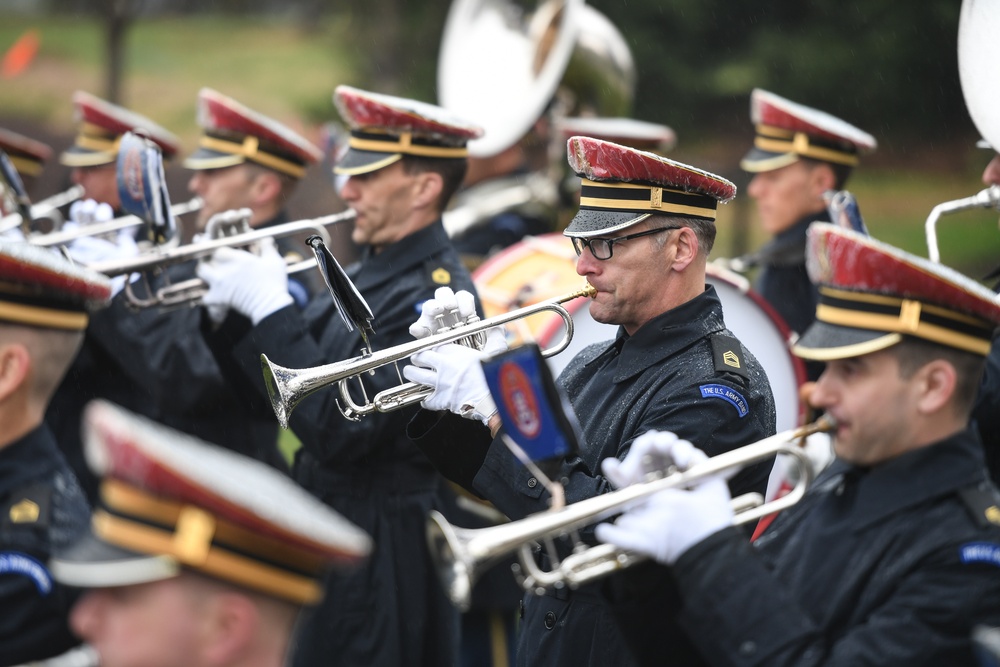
[[12, 562], [986, 553], [729, 356], [727, 394], [29, 505], [983, 504]]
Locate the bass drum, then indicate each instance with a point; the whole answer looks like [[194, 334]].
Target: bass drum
[[543, 267]]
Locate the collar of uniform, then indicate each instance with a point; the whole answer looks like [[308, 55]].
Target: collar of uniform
[[668, 333], [913, 477], [28, 458], [400, 257]]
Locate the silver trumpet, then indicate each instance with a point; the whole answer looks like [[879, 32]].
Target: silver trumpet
[[229, 229], [60, 238], [288, 386], [46, 208], [462, 554], [988, 198]]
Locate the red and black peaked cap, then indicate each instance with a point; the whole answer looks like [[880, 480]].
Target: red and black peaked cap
[[622, 186], [169, 501], [40, 288], [787, 131], [872, 294], [233, 134], [26, 154], [384, 128], [102, 125]]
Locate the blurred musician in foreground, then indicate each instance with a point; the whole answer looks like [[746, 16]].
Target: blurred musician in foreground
[[196, 556], [643, 232], [44, 306], [404, 162], [154, 361], [893, 556], [798, 154]]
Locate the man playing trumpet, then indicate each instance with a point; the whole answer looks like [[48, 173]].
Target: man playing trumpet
[[893, 556], [643, 233]]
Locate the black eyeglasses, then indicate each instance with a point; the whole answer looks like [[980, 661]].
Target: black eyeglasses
[[603, 249]]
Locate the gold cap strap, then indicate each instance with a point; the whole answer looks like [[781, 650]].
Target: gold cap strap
[[645, 198], [251, 150], [777, 140], [405, 144], [888, 314]]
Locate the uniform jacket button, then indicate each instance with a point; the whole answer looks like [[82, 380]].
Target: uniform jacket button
[[532, 482], [550, 620]]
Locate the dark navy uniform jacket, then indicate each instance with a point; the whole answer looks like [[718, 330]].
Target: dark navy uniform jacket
[[154, 362], [43, 510], [392, 610], [891, 565], [671, 375], [783, 280], [986, 413]]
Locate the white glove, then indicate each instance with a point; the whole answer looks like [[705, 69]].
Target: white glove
[[445, 310], [88, 211], [88, 250], [651, 454], [456, 374], [672, 521], [253, 285]]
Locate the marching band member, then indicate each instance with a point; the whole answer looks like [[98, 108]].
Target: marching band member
[[93, 157], [893, 555], [798, 154], [643, 234], [247, 160], [196, 556], [404, 162], [154, 361], [45, 302]]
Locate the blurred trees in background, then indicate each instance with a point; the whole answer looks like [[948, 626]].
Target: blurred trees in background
[[889, 67]]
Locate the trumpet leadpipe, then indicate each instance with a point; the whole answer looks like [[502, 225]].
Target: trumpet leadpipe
[[288, 386], [461, 553], [160, 257], [109, 227]]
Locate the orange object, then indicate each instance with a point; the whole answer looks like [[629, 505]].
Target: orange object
[[20, 54]]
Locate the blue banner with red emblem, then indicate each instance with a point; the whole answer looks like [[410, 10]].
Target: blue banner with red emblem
[[534, 412], [142, 186]]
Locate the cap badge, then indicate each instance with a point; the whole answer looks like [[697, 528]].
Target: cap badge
[[193, 539]]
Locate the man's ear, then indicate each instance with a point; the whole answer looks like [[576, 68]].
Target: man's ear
[[937, 381], [822, 179], [427, 189], [686, 242], [265, 188], [15, 364], [231, 628]]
